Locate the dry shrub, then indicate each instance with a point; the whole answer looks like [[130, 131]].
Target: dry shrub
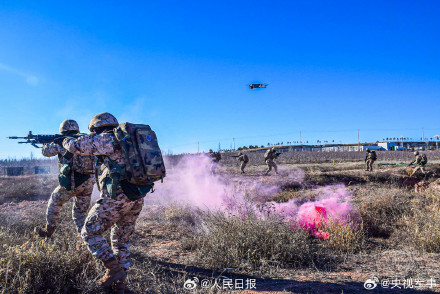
[[345, 238], [422, 222], [381, 209], [32, 265], [249, 242], [181, 215], [60, 264]]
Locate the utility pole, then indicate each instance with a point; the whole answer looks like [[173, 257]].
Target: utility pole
[[359, 142]]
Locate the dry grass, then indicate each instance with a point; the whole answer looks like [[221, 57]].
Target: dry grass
[[16, 189], [423, 219], [345, 238], [253, 243], [381, 208]]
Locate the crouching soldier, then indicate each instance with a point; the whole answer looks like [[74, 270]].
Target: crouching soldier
[[269, 158], [370, 158], [75, 181], [420, 161], [244, 161], [118, 149]]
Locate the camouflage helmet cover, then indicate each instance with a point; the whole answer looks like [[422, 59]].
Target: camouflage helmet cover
[[416, 152], [69, 125], [210, 151], [103, 119], [368, 150], [273, 148]]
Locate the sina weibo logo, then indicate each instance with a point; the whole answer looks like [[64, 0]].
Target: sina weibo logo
[[370, 284]]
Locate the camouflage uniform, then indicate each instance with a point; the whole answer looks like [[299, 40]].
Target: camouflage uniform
[[118, 213], [269, 157], [370, 158], [244, 161], [75, 181], [80, 194], [419, 162]]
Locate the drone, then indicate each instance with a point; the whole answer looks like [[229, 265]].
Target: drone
[[257, 86]]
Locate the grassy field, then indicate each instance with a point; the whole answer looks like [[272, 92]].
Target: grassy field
[[397, 239]]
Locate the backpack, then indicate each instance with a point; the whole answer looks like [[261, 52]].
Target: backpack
[[218, 156], [266, 154], [144, 162], [424, 159], [373, 155]]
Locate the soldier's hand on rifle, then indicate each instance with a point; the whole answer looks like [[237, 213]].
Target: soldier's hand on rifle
[[59, 141]]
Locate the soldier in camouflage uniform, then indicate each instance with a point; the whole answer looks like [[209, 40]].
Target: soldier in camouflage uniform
[[420, 162], [269, 157], [244, 161], [75, 182], [113, 210], [215, 158], [370, 158]]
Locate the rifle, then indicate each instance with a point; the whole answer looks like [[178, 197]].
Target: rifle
[[43, 139], [277, 154], [235, 155]]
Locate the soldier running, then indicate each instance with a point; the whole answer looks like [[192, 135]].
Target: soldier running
[[75, 181], [244, 161], [120, 201], [269, 157]]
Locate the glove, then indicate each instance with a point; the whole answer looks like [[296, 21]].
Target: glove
[[59, 141]]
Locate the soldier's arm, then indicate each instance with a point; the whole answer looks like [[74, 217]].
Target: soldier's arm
[[90, 145], [418, 159], [51, 149]]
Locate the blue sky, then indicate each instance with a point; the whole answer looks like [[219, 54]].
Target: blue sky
[[183, 67]]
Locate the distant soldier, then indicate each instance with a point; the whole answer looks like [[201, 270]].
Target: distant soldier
[[420, 161], [75, 181], [370, 158], [215, 158], [269, 157], [244, 161]]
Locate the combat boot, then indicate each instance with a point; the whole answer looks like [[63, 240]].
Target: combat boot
[[45, 232], [114, 272]]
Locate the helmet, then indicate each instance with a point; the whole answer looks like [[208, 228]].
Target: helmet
[[103, 119], [416, 152], [273, 148], [69, 125], [368, 149], [210, 151]]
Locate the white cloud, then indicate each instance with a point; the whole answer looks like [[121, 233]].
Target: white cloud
[[30, 79]]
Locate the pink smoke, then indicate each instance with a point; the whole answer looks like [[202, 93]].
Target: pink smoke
[[333, 204], [191, 182]]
